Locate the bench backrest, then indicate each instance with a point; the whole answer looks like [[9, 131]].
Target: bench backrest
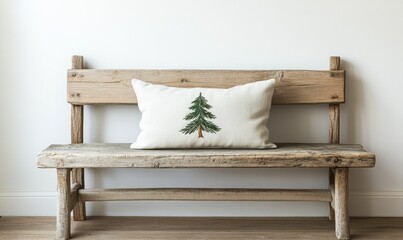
[[93, 86]]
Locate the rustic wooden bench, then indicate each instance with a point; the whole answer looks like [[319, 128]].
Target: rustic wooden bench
[[85, 86]]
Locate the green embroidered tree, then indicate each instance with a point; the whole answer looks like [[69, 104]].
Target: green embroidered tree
[[199, 116]]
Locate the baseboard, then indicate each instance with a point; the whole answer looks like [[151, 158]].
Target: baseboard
[[376, 203], [362, 203], [27, 203]]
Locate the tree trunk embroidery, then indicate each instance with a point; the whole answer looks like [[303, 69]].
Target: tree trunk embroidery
[[199, 116], [200, 132]]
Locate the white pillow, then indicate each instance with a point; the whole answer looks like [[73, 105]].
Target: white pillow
[[204, 117]]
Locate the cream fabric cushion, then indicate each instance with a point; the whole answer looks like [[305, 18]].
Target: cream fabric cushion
[[204, 117]]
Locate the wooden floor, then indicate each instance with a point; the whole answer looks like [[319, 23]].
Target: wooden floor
[[200, 228]]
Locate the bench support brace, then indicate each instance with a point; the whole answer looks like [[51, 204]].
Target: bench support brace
[[205, 194]]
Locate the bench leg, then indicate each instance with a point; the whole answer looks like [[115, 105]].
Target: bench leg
[[79, 209], [341, 203], [63, 197], [331, 183]]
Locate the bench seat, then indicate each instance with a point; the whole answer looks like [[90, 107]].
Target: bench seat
[[287, 155]]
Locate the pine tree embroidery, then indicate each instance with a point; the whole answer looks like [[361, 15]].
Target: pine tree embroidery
[[199, 116]]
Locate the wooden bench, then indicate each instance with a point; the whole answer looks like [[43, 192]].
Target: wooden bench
[[87, 86]]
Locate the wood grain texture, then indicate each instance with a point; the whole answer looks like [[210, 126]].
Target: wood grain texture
[[334, 123], [73, 195], [201, 228], [334, 109], [341, 197], [63, 206], [93, 86], [79, 209], [331, 184], [334, 126], [77, 136], [286, 155], [205, 194], [77, 123], [77, 62], [334, 63], [332, 193]]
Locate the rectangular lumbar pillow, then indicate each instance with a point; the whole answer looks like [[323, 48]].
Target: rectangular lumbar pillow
[[204, 117]]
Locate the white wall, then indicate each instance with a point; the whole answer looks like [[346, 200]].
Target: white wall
[[38, 38]]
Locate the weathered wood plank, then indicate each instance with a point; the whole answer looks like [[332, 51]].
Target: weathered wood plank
[[91, 86], [341, 195], [205, 194], [77, 135], [63, 211], [285, 156]]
